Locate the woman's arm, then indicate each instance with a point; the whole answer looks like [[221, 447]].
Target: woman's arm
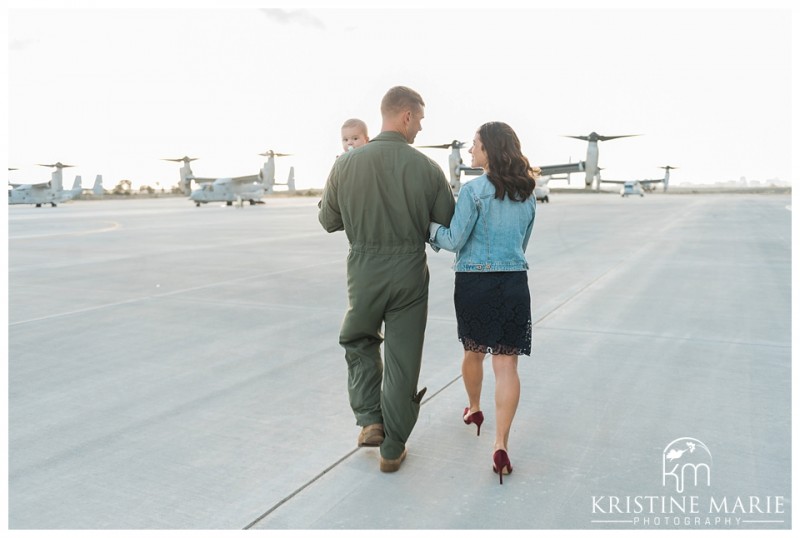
[[461, 225], [530, 229]]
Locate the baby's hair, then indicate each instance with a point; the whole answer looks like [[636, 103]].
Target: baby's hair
[[355, 122]]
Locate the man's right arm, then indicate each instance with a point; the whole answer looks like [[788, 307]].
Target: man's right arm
[[329, 214]]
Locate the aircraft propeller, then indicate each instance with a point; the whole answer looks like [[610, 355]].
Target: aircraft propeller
[[270, 153], [454, 144], [668, 167], [58, 165], [183, 159], [594, 137]]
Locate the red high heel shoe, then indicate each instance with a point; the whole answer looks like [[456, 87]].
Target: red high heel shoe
[[501, 461], [475, 418]]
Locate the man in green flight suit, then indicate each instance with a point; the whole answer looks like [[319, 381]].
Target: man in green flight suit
[[384, 195]]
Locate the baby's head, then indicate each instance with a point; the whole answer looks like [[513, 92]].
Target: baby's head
[[354, 134]]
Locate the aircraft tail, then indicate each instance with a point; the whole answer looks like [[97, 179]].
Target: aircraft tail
[[97, 190], [74, 192]]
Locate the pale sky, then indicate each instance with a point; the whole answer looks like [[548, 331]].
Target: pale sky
[[114, 91]]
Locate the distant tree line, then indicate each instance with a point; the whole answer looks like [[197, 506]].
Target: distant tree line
[[125, 188]]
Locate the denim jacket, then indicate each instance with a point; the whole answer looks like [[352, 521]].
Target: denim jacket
[[486, 234]]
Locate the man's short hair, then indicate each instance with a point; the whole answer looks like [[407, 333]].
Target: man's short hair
[[401, 98], [355, 122]]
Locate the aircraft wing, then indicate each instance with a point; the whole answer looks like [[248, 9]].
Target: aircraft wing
[[203, 179], [43, 185], [245, 179], [569, 168], [226, 180], [470, 170], [641, 181]]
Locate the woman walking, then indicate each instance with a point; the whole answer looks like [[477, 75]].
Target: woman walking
[[489, 233]]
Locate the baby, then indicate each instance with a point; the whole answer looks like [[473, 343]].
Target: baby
[[354, 134]]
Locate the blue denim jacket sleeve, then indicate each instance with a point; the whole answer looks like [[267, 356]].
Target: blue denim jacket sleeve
[[527, 235], [432, 229], [464, 219]]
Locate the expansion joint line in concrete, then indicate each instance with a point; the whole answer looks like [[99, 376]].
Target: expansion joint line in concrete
[[330, 467]]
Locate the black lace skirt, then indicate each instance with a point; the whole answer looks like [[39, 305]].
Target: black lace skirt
[[493, 311]]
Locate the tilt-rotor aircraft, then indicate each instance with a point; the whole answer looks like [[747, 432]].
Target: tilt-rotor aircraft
[[638, 186], [547, 173], [46, 192], [457, 167], [233, 189], [590, 165]]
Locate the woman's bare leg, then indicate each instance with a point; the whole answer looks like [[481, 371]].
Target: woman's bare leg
[[506, 396], [472, 373]]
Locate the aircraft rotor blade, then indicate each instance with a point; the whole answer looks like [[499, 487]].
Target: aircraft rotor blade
[[454, 144], [58, 165], [181, 160], [270, 153], [601, 138], [594, 137]]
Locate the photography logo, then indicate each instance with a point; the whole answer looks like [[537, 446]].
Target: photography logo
[[686, 458], [686, 499]]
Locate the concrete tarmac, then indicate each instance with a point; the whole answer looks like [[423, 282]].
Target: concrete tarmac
[[174, 367]]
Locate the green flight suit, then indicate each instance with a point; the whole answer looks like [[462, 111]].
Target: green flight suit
[[384, 195]]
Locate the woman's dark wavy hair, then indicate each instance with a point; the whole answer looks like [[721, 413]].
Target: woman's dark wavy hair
[[509, 170]]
